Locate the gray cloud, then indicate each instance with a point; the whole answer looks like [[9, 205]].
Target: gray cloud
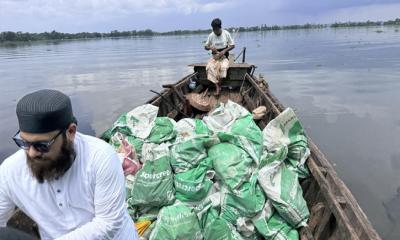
[[311, 6]]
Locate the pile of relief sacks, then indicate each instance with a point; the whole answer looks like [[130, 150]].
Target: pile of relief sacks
[[216, 178]]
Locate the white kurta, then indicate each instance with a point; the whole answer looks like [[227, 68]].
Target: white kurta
[[87, 202], [222, 41], [217, 69]]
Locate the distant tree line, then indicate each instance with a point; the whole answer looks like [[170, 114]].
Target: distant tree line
[[366, 24], [54, 35]]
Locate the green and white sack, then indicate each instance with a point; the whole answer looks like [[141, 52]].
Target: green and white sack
[[187, 154], [231, 163], [224, 116], [141, 120], [285, 131], [153, 184], [276, 228], [260, 221], [249, 136], [276, 155], [162, 131], [188, 128], [213, 225], [246, 228], [244, 202], [195, 184], [234, 124], [190, 146], [142, 123], [282, 187], [221, 229], [208, 210], [120, 126], [138, 122], [177, 222]]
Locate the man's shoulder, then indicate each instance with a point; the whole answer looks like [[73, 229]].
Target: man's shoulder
[[14, 163], [226, 32], [94, 148], [15, 160], [97, 154]]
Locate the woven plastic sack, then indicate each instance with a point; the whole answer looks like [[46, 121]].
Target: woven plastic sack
[[194, 185], [119, 125], [221, 229], [285, 131], [246, 201], [177, 222], [162, 131], [191, 143], [153, 183], [188, 128], [138, 122], [224, 116], [275, 227], [208, 209], [260, 221], [213, 226], [231, 163], [142, 123], [282, 187], [276, 155], [187, 154], [234, 124], [216, 227], [246, 229]]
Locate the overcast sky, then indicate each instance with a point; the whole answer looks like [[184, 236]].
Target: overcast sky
[[165, 15]]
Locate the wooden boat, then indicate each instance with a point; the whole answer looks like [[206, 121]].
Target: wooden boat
[[334, 212]]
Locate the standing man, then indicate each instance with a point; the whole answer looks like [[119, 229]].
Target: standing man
[[220, 43], [72, 185]]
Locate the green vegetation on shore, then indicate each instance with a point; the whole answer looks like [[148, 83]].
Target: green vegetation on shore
[[54, 35]]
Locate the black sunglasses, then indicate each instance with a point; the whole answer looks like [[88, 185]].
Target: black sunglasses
[[40, 146]]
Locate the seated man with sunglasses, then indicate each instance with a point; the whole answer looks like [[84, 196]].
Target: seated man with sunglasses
[[72, 185]]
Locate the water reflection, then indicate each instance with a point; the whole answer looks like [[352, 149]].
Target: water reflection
[[392, 208]]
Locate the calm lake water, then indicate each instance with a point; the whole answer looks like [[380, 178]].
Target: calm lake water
[[344, 85]]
